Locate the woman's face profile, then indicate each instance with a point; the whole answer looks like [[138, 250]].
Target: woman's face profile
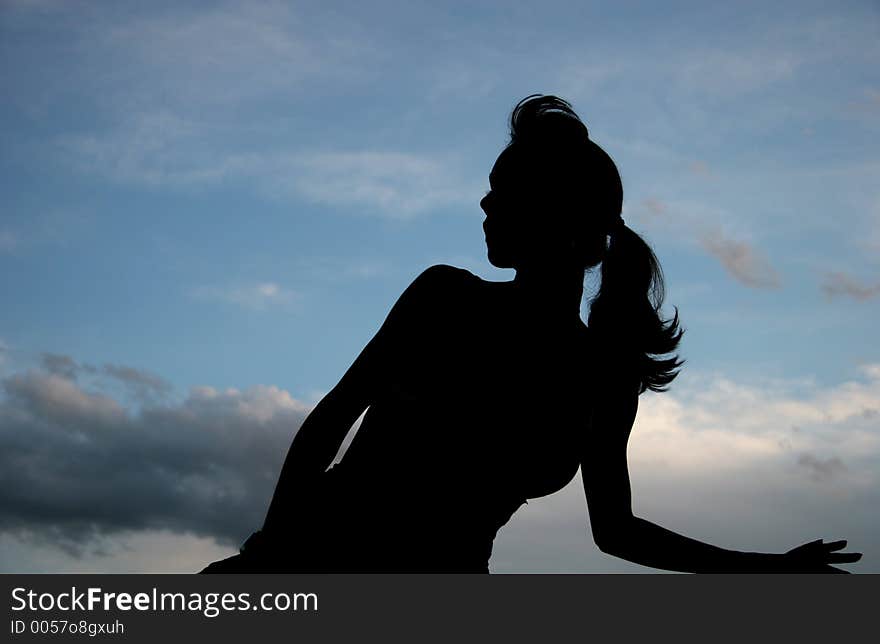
[[505, 207], [523, 215]]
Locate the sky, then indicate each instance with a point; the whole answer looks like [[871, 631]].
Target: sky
[[209, 208]]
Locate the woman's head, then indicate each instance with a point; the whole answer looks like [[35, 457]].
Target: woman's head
[[555, 202], [554, 194]]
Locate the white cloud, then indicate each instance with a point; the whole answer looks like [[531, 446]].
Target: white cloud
[[165, 150], [393, 184], [760, 58], [258, 296], [227, 53], [693, 77], [153, 148], [734, 72], [731, 425], [750, 466], [259, 403], [173, 100], [61, 400]]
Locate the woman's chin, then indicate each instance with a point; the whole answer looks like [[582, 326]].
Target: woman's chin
[[499, 261]]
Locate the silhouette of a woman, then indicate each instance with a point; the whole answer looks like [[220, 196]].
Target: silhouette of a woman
[[481, 395]]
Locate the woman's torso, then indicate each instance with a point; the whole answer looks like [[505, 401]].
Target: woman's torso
[[484, 406]]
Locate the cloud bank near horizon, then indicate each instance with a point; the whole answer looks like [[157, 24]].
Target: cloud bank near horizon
[[745, 465]]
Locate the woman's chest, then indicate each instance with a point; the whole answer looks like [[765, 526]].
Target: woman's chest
[[505, 407]]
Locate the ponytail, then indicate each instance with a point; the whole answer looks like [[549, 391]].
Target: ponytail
[[577, 176], [626, 313]]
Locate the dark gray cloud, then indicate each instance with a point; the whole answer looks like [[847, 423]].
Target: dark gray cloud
[[76, 464], [143, 384], [742, 262], [821, 469], [60, 365], [837, 284]]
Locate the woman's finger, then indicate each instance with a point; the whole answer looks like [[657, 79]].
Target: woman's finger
[[835, 545], [844, 557]]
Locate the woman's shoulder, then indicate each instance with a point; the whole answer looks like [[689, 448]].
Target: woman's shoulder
[[446, 274], [440, 280], [433, 292]]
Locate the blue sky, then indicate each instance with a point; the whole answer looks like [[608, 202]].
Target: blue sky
[[210, 208]]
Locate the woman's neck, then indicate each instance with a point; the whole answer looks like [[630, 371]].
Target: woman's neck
[[550, 293]]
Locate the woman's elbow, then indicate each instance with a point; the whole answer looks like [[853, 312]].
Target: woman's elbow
[[612, 537], [606, 542]]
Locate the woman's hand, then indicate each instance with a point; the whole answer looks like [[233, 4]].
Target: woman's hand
[[817, 557]]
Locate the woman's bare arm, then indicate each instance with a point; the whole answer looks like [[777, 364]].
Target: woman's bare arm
[[319, 438], [321, 434], [617, 532]]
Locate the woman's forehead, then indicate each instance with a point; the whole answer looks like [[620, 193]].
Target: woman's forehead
[[507, 163]]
